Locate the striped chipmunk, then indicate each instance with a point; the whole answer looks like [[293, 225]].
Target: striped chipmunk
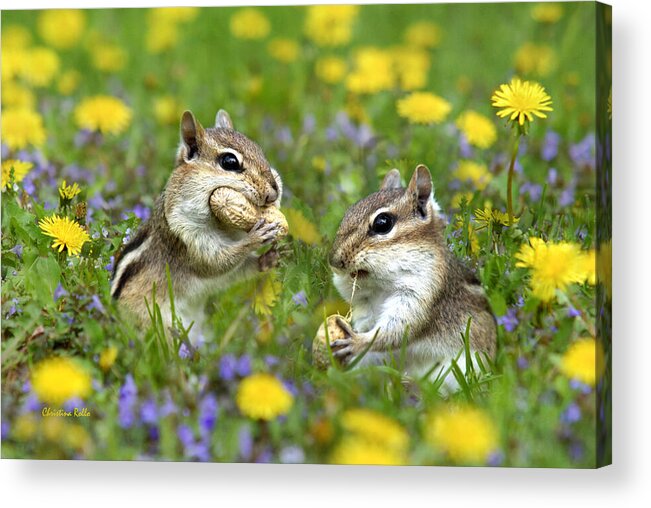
[[183, 232], [391, 261]]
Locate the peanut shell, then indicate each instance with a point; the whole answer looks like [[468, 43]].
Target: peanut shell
[[273, 214], [320, 357], [232, 209]]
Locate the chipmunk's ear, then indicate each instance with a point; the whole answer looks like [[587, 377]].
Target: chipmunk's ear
[[420, 188], [223, 120], [191, 134], [391, 180]]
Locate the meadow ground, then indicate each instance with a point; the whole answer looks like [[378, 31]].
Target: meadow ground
[[332, 96]]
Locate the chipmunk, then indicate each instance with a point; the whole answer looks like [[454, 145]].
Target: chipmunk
[[390, 259], [183, 233]]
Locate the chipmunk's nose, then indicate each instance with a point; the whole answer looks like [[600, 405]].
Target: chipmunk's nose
[[272, 192], [336, 261]]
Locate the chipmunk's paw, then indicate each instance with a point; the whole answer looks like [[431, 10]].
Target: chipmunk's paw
[[263, 233], [347, 348], [268, 260]]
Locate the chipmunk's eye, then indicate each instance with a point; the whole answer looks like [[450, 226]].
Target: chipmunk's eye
[[383, 223], [229, 162]]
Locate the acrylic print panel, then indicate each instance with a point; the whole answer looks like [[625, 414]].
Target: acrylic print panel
[[371, 234]]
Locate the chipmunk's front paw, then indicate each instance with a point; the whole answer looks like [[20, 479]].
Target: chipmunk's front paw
[[263, 233], [268, 260], [349, 347]]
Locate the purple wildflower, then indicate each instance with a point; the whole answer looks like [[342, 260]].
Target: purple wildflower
[[168, 406], [533, 189], [245, 441], [126, 402], [227, 366], [575, 384], [59, 292], [109, 266], [95, 304], [185, 435], [583, 152], [71, 404], [465, 150], [509, 320], [552, 176], [271, 360], [149, 412], [495, 459], [31, 404], [309, 123], [572, 414], [522, 362], [300, 299], [576, 451], [141, 211], [17, 250], [572, 312], [567, 196], [550, 145], [264, 457], [207, 414], [292, 455], [4, 432], [243, 368], [14, 309], [184, 351]]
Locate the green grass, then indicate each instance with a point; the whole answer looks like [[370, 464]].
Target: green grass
[[523, 392]]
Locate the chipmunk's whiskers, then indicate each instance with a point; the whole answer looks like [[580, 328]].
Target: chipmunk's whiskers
[[352, 296]]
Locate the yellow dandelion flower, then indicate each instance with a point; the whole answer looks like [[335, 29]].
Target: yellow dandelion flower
[[535, 59], [459, 197], [473, 172], [330, 69], [103, 113], [588, 262], [174, 14], [477, 128], [250, 24], [489, 216], [359, 451], [67, 234], [108, 57], [25, 427], [22, 128], [411, 66], [554, 266], [424, 34], [61, 28], [167, 110], [58, 379], [40, 66], [107, 357], [521, 100], [13, 63], [330, 25], [266, 295], [424, 108], [263, 397], [283, 50], [17, 96], [69, 191], [20, 169], [161, 36], [584, 361], [15, 37], [68, 82], [547, 12], [372, 71], [375, 428], [465, 434], [302, 228]]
